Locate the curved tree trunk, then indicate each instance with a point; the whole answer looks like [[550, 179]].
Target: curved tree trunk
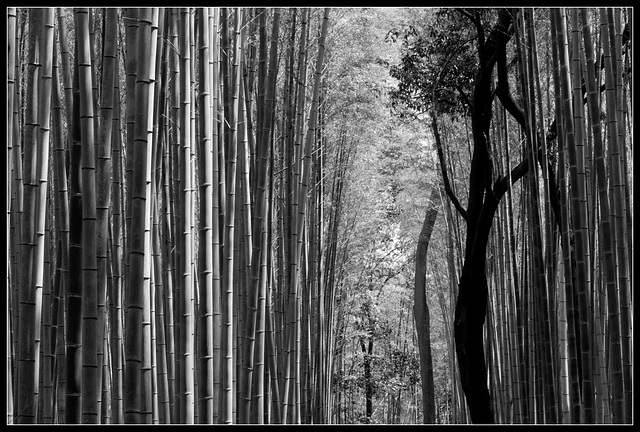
[[421, 309], [471, 304]]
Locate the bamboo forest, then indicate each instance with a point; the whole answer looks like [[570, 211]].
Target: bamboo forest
[[314, 215]]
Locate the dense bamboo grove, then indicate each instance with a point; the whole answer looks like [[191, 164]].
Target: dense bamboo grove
[[165, 223], [194, 234]]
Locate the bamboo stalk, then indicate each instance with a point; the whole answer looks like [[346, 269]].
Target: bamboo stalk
[[137, 253]]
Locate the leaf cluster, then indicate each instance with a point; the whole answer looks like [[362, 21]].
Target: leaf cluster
[[437, 66]]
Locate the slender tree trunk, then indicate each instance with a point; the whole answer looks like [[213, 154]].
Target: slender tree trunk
[[421, 309]]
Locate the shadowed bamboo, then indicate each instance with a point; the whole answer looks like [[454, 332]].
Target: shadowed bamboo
[[136, 256], [89, 258], [74, 292], [573, 390], [103, 169], [577, 191], [614, 303], [62, 208], [544, 365], [259, 250]]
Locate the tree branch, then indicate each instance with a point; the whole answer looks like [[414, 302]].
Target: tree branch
[[502, 184], [503, 91], [445, 177]]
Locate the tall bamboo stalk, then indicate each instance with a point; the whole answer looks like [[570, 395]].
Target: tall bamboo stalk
[[11, 100], [205, 342], [27, 386], [103, 169], [229, 237], [187, 286], [136, 256], [215, 217], [89, 251]]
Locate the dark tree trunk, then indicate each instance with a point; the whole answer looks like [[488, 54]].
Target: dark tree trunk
[[470, 314], [420, 307], [471, 305], [368, 382]]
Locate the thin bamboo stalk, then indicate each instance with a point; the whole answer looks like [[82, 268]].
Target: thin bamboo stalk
[[26, 386], [116, 287], [206, 395], [103, 169], [187, 285]]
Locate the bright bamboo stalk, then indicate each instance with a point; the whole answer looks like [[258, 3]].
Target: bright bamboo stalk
[[228, 268], [131, 23], [44, 116], [26, 387], [11, 99], [137, 253], [186, 337], [205, 257], [116, 288], [147, 333], [215, 217]]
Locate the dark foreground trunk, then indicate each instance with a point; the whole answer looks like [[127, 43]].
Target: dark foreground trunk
[[468, 333]]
